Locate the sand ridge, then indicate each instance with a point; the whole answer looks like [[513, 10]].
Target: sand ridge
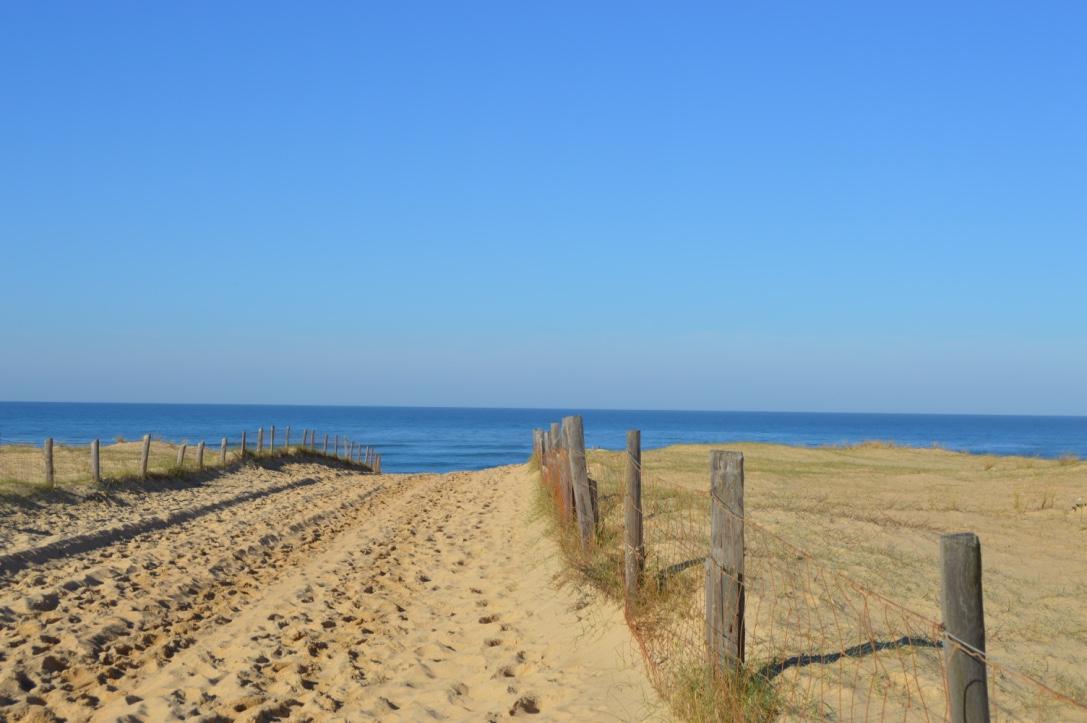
[[389, 597]]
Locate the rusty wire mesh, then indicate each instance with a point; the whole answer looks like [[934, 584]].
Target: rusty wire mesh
[[819, 644]]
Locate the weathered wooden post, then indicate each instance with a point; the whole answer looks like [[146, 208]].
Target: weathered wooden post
[[222, 452], [325, 450], [145, 455], [964, 627], [243, 444], [200, 456], [181, 455], [260, 440], [377, 462], [725, 563], [96, 463], [47, 458], [272, 438], [634, 562], [305, 438], [336, 445], [579, 478], [287, 438]]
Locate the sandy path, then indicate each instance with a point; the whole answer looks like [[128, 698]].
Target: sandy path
[[396, 597]]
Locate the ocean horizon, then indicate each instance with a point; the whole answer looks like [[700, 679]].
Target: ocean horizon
[[436, 439]]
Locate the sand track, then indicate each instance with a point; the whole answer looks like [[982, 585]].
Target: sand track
[[329, 595]]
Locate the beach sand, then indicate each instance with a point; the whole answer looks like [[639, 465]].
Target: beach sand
[[307, 592]]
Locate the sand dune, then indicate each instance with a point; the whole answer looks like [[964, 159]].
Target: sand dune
[[309, 593]]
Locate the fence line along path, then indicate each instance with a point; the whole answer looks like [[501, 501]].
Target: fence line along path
[[52, 463]]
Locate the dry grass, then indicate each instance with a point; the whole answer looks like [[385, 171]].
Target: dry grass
[[873, 512]]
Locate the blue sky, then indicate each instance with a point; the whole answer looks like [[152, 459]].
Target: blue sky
[[790, 206]]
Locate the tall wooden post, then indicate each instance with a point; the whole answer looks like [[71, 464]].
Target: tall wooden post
[[725, 563], [272, 439], [181, 455], [325, 450], [260, 440], [336, 445], [145, 455], [96, 463], [222, 452], [634, 562], [200, 456], [47, 459], [579, 478], [243, 444], [377, 463], [964, 627], [287, 438]]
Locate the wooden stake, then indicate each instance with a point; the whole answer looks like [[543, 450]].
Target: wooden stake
[[222, 452], [200, 456], [47, 454], [181, 455], [579, 478], [725, 563], [964, 626], [634, 562], [96, 466], [145, 456], [260, 440]]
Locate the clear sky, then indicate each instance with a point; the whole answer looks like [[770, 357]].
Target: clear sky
[[763, 206]]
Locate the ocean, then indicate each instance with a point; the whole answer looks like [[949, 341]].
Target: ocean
[[425, 439]]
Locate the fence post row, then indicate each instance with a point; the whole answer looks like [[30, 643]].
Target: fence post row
[[634, 558], [96, 466], [725, 563], [145, 455], [47, 455], [964, 626]]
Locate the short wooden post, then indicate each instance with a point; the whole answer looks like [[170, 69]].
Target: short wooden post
[[145, 456], [272, 438], [336, 445], [964, 627], [181, 455], [725, 563], [287, 438], [260, 440], [96, 463], [579, 478], [377, 464], [305, 438], [200, 456], [243, 444], [324, 451], [47, 455], [222, 452], [632, 517]]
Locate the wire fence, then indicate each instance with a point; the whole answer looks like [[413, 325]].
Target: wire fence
[[55, 464], [819, 644]]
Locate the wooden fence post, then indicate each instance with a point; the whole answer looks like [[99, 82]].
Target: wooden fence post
[[964, 627], [145, 456], [181, 455], [579, 478], [96, 463], [222, 452], [632, 517], [377, 461], [272, 439], [287, 438], [725, 563], [243, 444], [325, 450], [200, 456], [47, 455], [566, 484], [336, 445], [260, 440], [305, 438]]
